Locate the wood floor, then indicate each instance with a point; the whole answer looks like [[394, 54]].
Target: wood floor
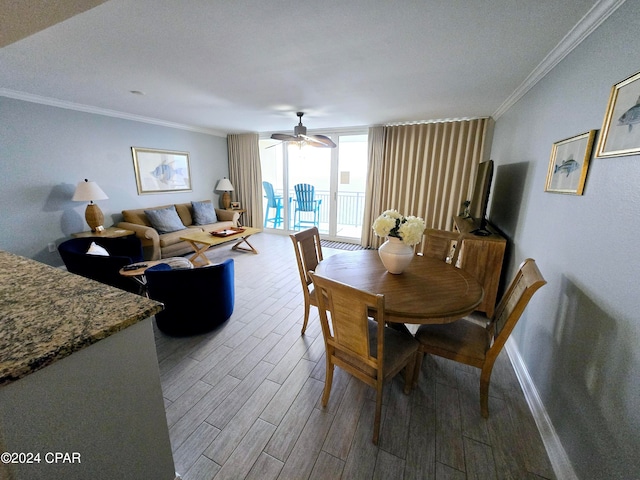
[[244, 401]]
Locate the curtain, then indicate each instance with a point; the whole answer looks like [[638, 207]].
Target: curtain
[[427, 170], [373, 198], [246, 175]]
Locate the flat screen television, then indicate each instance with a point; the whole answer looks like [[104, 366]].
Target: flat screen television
[[480, 197]]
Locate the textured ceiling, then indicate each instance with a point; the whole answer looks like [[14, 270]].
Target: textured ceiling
[[239, 66]]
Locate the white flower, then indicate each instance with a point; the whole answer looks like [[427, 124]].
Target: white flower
[[383, 225], [392, 224]]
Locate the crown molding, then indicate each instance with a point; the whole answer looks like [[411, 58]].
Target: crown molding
[[592, 20], [54, 102]]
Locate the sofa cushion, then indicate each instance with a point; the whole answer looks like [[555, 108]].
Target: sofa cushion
[[184, 212], [203, 213], [165, 220], [172, 238]]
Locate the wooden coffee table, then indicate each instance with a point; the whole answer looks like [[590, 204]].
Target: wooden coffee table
[[202, 241]]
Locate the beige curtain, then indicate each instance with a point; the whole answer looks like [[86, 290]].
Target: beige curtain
[[373, 198], [246, 176], [427, 170]]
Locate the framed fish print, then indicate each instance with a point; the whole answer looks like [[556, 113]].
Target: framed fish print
[[621, 126], [569, 164], [161, 171]]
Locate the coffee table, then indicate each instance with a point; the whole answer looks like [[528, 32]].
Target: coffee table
[[202, 241]]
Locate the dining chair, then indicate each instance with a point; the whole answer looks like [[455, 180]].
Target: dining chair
[[273, 201], [308, 254], [306, 203], [465, 341], [361, 345], [441, 244]]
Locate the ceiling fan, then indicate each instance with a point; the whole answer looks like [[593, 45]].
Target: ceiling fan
[[300, 136]]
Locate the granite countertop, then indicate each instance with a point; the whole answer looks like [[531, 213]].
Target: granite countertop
[[47, 314]]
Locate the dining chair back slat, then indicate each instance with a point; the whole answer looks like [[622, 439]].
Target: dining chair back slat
[[441, 244]]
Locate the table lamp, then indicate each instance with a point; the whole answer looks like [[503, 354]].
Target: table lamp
[[225, 186], [87, 191]]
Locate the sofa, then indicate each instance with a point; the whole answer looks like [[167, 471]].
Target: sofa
[[161, 238]]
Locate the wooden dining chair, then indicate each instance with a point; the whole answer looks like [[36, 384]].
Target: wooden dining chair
[[308, 254], [363, 347], [467, 342], [441, 244]]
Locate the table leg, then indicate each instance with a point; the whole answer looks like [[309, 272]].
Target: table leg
[[199, 252], [244, 240]]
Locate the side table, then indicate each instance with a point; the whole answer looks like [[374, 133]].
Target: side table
[[111, 232]]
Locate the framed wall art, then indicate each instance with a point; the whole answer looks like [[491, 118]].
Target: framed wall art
[[161, 171], [621, 126], [569, 164]]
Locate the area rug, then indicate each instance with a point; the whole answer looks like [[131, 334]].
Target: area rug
[[340, 245]]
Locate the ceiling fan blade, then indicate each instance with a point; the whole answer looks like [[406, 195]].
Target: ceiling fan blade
[[323, 140], [284, 137]]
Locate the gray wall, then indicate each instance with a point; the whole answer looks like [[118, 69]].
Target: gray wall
[[45, 151], [580, 336]]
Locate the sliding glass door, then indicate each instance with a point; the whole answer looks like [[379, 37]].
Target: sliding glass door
[[338, 177]]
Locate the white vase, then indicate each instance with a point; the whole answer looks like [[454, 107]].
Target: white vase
[[395, 255]]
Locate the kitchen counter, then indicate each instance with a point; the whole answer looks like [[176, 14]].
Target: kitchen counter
[[47, 314], [79, 378]]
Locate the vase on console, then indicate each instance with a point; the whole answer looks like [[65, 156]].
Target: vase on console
[[395, 255]]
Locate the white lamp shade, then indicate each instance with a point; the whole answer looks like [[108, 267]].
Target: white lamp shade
[[224, 185], [87, 191]]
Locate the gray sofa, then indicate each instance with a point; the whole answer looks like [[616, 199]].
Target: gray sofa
[[158, 245]]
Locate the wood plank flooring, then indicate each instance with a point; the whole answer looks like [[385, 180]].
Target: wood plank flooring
[[243, 401]]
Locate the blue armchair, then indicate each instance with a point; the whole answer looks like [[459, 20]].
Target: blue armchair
[[305, 203], [195, 300], [273, 201], [106, 269]]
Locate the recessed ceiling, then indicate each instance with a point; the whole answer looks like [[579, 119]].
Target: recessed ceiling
[[243, 66]]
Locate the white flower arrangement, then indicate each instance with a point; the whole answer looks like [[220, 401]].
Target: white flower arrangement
[[393, 224]]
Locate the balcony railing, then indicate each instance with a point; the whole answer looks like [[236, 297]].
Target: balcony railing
[[350, 211]]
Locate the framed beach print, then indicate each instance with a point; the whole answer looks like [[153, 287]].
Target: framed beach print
[[569, 164], [161, 171], [621, 127]]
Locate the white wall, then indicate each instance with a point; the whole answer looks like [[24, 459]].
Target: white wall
[[45, 151], [580, 336]]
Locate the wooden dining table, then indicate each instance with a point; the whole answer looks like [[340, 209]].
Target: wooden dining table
[[428, 291]]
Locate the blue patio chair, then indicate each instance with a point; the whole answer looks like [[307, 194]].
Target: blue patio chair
[[273, 201], [305, 203]]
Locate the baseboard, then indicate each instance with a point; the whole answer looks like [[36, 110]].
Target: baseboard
[[557, 455]]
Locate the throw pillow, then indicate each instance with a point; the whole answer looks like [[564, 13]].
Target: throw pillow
[[203, 213], [95, 249], [165, 220], [178, 263]]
